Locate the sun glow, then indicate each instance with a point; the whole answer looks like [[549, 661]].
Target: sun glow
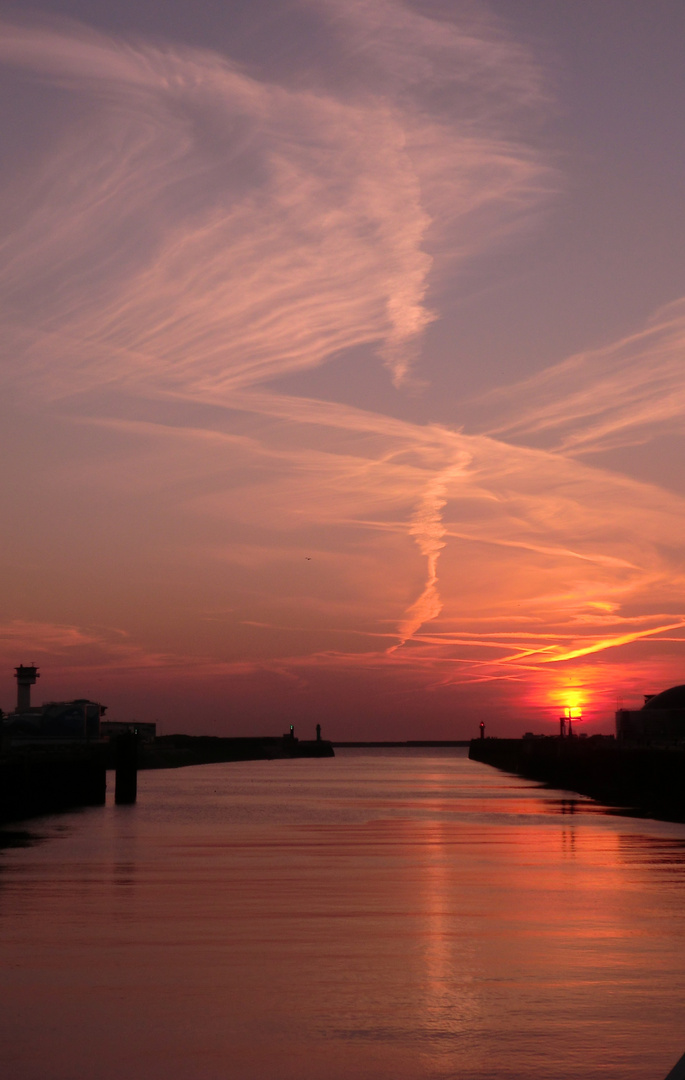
[[241, 278], [569, 697], [573, 709]]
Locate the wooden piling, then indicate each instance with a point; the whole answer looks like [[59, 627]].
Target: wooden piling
[[126, 768]]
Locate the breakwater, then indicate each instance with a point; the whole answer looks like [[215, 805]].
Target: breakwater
[[175, 751], [644, 779], [50, 780]]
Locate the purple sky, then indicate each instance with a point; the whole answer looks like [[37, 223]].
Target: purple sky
[[343, 360]]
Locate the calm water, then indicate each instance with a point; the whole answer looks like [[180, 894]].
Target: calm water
[[387, 915]]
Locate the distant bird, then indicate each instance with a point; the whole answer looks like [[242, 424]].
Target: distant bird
[[308, 558]]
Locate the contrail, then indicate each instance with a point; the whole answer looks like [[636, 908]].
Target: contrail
[[429, 531]]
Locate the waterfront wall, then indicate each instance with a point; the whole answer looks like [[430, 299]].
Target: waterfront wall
[[35, 783], [175, 751], [646, 779], [47, 779]]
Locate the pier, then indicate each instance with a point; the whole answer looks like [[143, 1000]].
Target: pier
[[645, 779], [175, 751], [48, 780]]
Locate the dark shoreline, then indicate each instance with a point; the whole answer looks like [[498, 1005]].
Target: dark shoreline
[[644, 780], [177, 751], [56, 777]]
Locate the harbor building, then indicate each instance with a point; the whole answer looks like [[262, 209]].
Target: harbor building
[[661, 719], [146, 732], [72, 720]]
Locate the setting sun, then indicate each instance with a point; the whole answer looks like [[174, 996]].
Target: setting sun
[[314, 406], [574, 705]]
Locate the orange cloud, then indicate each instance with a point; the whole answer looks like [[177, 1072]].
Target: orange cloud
[[166, 291]]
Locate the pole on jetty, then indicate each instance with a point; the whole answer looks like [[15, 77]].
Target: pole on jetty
[[126, 768]]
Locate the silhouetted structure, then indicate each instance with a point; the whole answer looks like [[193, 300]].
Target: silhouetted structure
[[55, 756], [126, 768], [26, 676], [175, 751], [77, 719], [47, 780], [661, 719], [146, 732], [51, 756], [647, 778]]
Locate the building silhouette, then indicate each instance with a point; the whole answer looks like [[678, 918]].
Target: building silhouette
[[661, 718]]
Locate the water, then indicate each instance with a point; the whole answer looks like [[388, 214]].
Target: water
[[385, 915]]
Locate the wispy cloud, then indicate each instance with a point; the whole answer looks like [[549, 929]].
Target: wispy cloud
[[208, 229], [527, 535], [197, 238], [40, 637], [428, 529], [623, 394]]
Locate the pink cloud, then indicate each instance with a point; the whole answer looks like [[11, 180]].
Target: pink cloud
[[163, 290]]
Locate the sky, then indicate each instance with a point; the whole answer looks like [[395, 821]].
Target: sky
[[342, 361]]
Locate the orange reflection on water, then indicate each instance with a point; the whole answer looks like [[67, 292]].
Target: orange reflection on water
[[450, 999], [397, 917]]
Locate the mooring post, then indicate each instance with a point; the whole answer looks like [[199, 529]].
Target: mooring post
[[126, 766]]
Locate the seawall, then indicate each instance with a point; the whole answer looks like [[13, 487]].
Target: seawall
[[649, 780], [49, 781], [52, 778], [176, 751]]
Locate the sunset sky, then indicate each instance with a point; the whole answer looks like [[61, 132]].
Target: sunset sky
[[343, 352]]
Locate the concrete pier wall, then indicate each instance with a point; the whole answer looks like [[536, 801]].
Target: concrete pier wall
[[647, 779], [176, 751], [34, 783], [37, 780]]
